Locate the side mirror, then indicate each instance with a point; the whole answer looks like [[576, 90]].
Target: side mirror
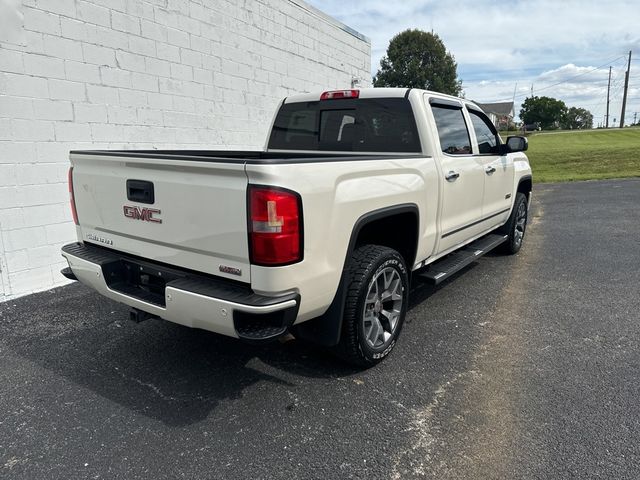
[[517, 144]]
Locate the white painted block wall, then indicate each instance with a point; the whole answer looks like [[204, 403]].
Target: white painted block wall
[[86, 74]]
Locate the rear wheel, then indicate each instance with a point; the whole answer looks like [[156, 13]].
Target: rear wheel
[[376, 305], [516, 226]]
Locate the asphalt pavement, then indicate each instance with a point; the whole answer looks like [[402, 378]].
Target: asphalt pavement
[[519, 367]]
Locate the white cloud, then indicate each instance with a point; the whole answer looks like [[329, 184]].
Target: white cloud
[[577, 86], [497, 44]]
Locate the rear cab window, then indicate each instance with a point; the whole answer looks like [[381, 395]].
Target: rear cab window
[[354, 125]]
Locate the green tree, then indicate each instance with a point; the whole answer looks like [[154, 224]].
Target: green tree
[[545, 111], [418, 59], [577, 118]]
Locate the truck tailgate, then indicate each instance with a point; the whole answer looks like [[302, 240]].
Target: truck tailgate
[[197, 218]]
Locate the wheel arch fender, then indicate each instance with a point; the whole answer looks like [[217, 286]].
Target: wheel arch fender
[[525, 185], [326, 329]]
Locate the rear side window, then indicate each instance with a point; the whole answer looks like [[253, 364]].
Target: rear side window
[[358, 125], [485, 132], [452, 130]]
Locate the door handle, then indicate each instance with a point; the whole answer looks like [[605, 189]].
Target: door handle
[[140, 191], [452, 176], [489, 170]]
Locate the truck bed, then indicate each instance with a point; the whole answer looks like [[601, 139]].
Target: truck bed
[[245, 156]]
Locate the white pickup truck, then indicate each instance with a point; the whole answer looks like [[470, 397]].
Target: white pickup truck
[[356, 192]]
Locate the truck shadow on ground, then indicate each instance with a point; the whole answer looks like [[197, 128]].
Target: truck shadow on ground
[[421, 290], [158, 369], [165, 371]]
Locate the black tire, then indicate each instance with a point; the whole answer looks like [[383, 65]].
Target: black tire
[[516, 226], [369, 266]]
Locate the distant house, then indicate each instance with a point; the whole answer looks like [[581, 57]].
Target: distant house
[[501, 113]]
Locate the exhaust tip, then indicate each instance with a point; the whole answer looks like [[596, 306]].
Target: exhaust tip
[[67, 272]]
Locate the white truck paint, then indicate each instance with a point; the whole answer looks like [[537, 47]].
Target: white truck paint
[[198, 224]]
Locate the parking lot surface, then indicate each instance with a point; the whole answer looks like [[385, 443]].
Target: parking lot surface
[[519, 367]]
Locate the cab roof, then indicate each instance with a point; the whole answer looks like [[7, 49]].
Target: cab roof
[[372, 93]]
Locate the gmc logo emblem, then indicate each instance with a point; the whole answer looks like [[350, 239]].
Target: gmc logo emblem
[[142, 213]]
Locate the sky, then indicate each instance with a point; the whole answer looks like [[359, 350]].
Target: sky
[[563, 48]]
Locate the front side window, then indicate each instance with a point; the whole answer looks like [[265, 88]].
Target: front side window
[[452, 130], [485, 133]]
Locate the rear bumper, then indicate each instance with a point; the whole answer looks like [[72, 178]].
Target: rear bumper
[[180, 296]]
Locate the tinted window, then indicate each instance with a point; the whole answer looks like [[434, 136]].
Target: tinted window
[[359, 125], [452, 130], [485, 133]]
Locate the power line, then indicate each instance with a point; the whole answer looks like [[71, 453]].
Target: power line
[[575, 76], [567, 80], [616, 83], [533, 67]]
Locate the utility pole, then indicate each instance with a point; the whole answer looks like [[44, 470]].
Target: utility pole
[[635, 117], [608, 90], [626, 87]]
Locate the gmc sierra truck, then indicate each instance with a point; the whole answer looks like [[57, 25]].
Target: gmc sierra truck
[[319, 234]]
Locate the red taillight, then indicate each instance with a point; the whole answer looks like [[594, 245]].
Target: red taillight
[[334, 94], [72, 199], [275, 226]]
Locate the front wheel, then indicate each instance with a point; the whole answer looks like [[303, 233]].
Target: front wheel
[[376, 304], [516, 226]]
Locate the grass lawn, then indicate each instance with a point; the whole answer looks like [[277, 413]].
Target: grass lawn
[[585, 155]]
